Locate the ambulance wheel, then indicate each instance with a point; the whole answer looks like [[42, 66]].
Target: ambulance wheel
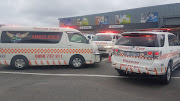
[[165, 79], [121, 72], [77, 61], [19, 62]]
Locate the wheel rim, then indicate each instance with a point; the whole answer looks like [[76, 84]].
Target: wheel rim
[[77, 62], [19, 63], [168, 73]]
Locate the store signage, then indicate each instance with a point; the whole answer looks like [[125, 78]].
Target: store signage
[[85, 27], [116, 26]]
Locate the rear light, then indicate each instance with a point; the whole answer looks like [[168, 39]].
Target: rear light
[[150, 53], [148, 36], [156, 53], [115, 51]]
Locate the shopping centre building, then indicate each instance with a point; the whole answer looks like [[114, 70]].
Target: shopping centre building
[[161, 17]]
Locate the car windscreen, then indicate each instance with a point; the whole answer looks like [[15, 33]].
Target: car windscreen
[[102, 38], [145, 40]]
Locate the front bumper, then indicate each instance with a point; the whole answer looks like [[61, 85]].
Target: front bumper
[[97, 57], [105, 51]]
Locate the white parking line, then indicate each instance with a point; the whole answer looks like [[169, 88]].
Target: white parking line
[[70, 75], [105, 59]]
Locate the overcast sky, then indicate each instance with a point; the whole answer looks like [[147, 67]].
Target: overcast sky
[[47, 12]]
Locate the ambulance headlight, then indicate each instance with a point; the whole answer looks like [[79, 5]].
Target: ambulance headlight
[[108, 46]]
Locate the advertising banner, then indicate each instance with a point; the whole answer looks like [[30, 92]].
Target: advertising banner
[[123, 19], [82, 21], [149, 17], [65, 22], [101, 20]]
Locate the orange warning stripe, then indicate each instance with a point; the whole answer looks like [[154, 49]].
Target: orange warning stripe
[[30, 63], [131, 70], [139, 71], [161, 71], [126, 69], [42, 62], [47, 62], [5, 62], [147, 70], [155, 71], [59, 62], [0, 62], [65, 62], [53, 62], [165, 69], [120, 67], [35, 62]]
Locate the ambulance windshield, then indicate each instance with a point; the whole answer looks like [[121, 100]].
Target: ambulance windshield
[[102, 38]]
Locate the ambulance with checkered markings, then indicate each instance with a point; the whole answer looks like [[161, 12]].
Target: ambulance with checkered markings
[[34, 46], [153, 53]]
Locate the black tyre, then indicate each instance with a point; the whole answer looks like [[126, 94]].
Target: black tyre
[[19, 62], [121, 72], [165, 79], [77, 61]]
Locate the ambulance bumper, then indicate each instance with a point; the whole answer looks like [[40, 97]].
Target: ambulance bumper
[[154, 69]]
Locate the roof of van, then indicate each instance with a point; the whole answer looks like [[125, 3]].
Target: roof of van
[[147, 32], [107, 34], [43, 29]]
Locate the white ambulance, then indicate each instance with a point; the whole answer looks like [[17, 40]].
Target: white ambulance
[[34, 46], [105, 41], [153, 53]]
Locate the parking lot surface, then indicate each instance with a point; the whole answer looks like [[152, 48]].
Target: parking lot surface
[[98, 82]]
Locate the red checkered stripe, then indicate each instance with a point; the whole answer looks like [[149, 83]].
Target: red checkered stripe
[[42, 50], [140, 57]]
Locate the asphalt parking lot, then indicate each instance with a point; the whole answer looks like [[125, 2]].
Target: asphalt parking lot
[[98, 82]]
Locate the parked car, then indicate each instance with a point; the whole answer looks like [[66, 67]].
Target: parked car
[[152, 53]]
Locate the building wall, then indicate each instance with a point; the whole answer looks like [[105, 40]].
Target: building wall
[[167, 14]]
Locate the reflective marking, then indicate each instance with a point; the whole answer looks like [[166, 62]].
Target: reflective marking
[[59, 62], [53, 62], [139, 71], [155, 71], [165, 69], [35, 62], [131, 70], [65, 62], [70, 75], [5, 62], [30, 63], [126, 69], [42, 62], [47, 62]]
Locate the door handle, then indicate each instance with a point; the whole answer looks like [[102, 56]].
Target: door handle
[[69, 45], [170, 50]]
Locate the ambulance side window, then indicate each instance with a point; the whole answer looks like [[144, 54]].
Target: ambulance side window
[[173, 41], [17, 37], [78, 38]]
